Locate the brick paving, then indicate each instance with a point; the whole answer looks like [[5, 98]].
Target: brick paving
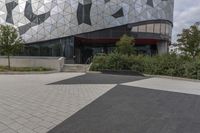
[[29, 105], [97, 103]]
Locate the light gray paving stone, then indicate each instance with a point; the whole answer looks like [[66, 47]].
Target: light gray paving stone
[[171, 85], [5, 120], [9, 131], [56, 121], [49, 119], [25, 130], [15, 126], [3, 127], [21, 120], [35, 119], [13, 116], [46, 124], [41, 129], [29, 104], [31, 125]]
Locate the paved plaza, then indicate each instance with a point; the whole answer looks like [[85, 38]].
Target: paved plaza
[[97, 103], [29, 105]]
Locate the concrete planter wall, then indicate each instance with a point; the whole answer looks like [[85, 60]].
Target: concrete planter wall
[[55, 63]]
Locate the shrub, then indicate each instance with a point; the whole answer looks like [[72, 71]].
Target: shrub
[[136, 63], [192, 69], [125, 45], [98, 63], [171, 65], [117, 61]]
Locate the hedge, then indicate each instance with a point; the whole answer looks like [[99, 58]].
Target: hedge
[[169, 64]]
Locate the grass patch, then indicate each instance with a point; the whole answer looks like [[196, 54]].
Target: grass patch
[[23, 69]]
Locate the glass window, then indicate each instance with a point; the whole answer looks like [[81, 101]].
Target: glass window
[[170, 30], [135, 29], [150, 28], [45, 51], [163, 28], [142, 28], [56, 49], [34, 50], [157, 28], [167, 29]]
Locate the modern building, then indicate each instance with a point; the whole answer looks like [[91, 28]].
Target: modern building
[[78, 29]]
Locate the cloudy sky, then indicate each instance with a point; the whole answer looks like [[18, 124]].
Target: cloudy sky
[[186, 13]]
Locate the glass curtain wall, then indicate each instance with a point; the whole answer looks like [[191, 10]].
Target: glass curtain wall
[[158, 28], [55, 48]]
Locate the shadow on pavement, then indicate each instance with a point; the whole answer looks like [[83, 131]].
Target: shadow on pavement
[[136, 110], [94, 78]]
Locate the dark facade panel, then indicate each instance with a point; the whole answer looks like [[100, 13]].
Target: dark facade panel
[[83, 14], [10, 6], [119, 13]]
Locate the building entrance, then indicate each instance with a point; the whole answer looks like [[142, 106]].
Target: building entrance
[[86, 49]]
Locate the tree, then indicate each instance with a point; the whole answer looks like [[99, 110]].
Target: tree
[[10, 41], [126, 45], [189, 41]]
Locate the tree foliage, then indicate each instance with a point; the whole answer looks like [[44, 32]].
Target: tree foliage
[[125, 45], [10, 41], [189, 41]]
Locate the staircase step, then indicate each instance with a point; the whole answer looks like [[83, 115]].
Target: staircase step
[[75, 68]]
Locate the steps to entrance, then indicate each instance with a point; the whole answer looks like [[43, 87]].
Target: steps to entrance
[[75, 68], [69, 61]]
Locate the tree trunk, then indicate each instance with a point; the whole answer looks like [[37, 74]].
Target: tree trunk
[[8, 61]]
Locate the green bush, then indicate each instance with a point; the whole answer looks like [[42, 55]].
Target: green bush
[[192, 69], [98, 63], [170, 65], [117, 61], [113, 61], [164, 65], [125, 45]]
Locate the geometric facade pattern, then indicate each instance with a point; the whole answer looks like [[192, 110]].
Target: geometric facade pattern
[[39, 20]]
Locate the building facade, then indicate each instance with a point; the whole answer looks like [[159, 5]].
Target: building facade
[[78, 29]]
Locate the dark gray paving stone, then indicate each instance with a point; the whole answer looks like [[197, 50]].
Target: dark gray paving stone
[[93, 78], [136, 110]]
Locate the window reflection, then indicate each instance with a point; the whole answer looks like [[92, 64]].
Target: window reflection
[[59, 47], [163, 29], [159, 28], [150, 28], [142, 28]]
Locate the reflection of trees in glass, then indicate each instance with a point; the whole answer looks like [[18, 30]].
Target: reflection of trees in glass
[[34, 50], [56, 50], [45, 51]]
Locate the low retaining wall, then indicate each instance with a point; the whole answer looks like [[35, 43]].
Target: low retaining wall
[[55, 63]]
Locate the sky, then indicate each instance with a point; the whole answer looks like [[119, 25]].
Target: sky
[[186, 13]]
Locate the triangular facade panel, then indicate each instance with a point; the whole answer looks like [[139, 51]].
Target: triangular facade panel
[[50, 19]]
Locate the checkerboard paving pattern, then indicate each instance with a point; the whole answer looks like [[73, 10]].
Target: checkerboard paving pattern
[[29, 105]]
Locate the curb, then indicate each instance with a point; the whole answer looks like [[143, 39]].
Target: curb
[[159, 76], [171, 77], [94, 72], [27, 73], [125, 73]]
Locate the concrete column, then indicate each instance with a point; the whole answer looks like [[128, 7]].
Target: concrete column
[[163, 47]]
